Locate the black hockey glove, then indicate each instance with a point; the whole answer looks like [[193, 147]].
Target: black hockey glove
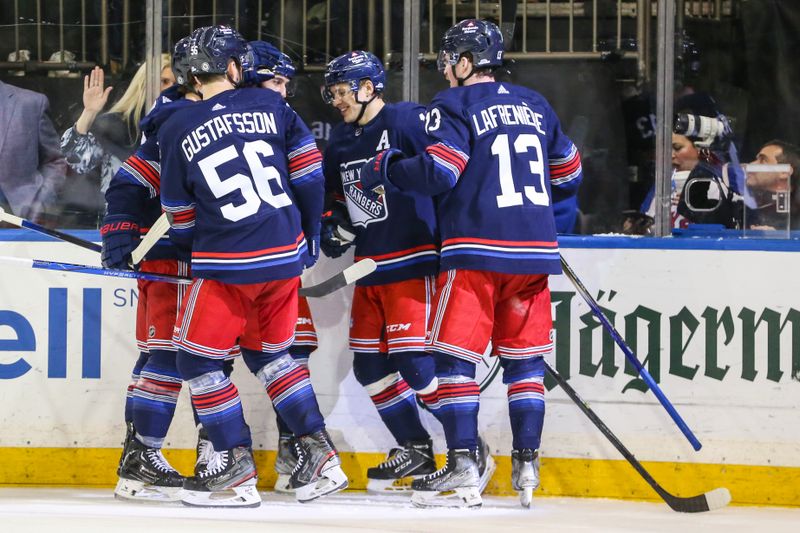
[[120, 235], [337, 233], [375, 172]]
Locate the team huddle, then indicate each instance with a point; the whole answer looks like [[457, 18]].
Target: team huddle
[[458, 205]]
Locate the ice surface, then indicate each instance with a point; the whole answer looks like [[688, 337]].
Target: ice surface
[[62, 510]]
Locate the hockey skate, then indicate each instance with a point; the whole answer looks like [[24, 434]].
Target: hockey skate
[[525, 474], [130, 432], [401, 467], [455, 485], [229, 480], [285, 463], [205, 451], [318, 471], [486, 464], [145, 475]]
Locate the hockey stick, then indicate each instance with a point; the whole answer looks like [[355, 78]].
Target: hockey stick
[[88, 269], [159, 228], [708, 501], [27, 224], [645, 375], [347, 276]]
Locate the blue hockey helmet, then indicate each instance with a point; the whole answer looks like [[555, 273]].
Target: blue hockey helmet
[[481, 38], [211, 47], [268, 61], [352, 68], [180, 62]]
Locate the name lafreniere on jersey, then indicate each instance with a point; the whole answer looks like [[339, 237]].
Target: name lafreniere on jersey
[[490, 118], [222, 125]]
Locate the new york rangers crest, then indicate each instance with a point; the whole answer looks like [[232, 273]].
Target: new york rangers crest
[[363, 210]]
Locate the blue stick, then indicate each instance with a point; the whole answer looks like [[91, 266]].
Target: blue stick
[[630, 355], [98, 271], [27, 224]]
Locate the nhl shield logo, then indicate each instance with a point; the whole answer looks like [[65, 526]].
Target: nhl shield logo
[[362, 209]]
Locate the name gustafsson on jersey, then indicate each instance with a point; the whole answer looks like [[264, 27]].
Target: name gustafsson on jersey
[[222, 125]]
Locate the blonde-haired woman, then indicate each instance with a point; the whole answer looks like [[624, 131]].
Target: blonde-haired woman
[[103, 141]]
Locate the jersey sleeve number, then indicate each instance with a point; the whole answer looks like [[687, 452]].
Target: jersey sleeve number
[[536, 193], [260, 175]]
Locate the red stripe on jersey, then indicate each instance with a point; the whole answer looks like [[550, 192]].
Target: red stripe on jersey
[[244, 255], [146, 170], [566, 168], [451, 156], [474, 240], [183, 216], [304, 160], [407, 251]]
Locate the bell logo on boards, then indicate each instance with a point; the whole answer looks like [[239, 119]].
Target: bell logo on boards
[[17, 336]]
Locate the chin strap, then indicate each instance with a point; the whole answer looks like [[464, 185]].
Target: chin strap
[[363, 106], [462, 80]]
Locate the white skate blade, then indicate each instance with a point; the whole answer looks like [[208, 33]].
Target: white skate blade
[[241, 496], [390, 486], [526, 497], [491, 466], [282, 485], [469, 497], [331, 480], [129, 489]]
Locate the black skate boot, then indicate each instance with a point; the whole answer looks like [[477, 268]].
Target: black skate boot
[[455, 485], [147, 476], [285, 463], [525, 474], [229, 480], [486, 464], [401, 467], [130, 433], [318, 471], [205, 451]]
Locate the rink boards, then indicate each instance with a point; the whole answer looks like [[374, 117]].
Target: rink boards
[[716, 323]]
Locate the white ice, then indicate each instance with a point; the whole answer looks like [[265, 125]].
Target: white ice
[[63, 510]]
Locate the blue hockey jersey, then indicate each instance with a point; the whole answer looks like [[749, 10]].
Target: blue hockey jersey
[[134, 190], [242, 181], [498, 155], [398, 230]]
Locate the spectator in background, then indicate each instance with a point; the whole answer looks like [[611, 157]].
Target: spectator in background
[[32, 168], [103, 141], [776, 194]]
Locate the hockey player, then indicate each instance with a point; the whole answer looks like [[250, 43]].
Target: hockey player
[[391, 306], [271, 69], [236, 161], [499, 147], [133, 206]]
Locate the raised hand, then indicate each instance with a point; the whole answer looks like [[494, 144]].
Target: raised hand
[[94, 99]]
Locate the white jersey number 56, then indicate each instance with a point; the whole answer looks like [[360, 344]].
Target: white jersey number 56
[[509, 196], [260, 175]]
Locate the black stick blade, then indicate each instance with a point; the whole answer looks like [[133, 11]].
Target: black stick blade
[[344, 278], [713, 499]]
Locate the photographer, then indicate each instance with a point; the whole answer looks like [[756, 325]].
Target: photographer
[[703, 190], [775, 198]]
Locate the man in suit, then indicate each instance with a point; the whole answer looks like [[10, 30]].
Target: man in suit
[[32, 167]]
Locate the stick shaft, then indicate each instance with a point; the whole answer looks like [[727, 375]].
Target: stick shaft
[[645, 375], [27, 224], [88, 269]]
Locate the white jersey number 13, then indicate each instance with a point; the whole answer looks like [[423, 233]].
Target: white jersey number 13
[[509, 196]]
